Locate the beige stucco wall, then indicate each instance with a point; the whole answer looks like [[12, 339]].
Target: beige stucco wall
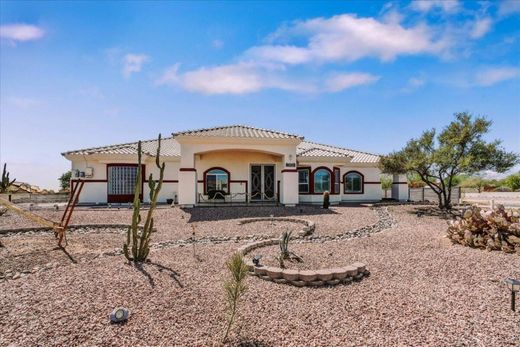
[[372, 192], [96, 192], [235, 155], [238, 163]]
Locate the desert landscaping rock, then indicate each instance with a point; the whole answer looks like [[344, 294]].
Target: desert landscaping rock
[[274, 272], [339, 273], [422, 291], [351, 270], [325, 275], [308, 275], [291, 275]]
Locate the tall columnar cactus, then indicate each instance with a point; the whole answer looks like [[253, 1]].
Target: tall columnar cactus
[[140, 242], [5, 183]]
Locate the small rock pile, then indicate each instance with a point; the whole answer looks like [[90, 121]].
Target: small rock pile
[[497, 229]]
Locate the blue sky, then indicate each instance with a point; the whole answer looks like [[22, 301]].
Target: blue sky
[[364, 75]]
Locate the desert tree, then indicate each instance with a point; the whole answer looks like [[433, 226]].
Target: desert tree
[[437, 158], [65, 180]]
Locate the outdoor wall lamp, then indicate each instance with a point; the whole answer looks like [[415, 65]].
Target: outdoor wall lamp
[[256, 260], [514, 286]]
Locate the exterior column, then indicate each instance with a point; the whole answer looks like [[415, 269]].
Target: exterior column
[[289, 194], [187, 187], [399, 187]]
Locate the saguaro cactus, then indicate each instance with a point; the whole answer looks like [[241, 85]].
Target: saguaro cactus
[[5, 183], [140, 242]]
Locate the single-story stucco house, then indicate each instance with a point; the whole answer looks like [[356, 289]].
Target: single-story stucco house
[[232, 164]]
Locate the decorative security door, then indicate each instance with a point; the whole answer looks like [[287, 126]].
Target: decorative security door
[[262, 182]]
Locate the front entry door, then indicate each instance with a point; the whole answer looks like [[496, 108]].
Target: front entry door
[[262, 182]]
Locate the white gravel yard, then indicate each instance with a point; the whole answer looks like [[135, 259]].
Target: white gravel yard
[[422, 291]]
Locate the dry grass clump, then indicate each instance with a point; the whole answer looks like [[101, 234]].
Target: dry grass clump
[[497, 229]]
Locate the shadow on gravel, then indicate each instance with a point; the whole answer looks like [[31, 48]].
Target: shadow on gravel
[[71, 258], [172, 273], [207, 214]]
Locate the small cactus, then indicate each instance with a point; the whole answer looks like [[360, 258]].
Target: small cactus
[[140, 242], [326, 200], [5, 183]]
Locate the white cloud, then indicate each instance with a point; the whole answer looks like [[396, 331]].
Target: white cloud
[[508, 7], [491, 76], [446, 6], [244, 78], [134, 63], [239, 78], [343, 81], [480, 27], [21, 32], [348, 38]]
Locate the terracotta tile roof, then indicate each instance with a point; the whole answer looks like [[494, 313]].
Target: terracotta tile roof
[[169, 148], [357, 157], [238, 131], [320, 152]]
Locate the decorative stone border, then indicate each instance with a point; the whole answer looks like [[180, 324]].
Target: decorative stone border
[[302, 278], [307, 229]]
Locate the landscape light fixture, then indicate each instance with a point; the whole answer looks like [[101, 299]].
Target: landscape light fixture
[[120, 314], [256, 260], [514, 286]]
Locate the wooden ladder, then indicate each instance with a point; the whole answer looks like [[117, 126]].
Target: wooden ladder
[[60, 230]]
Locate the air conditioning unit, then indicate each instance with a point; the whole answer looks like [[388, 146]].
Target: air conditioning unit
[[88, 173]]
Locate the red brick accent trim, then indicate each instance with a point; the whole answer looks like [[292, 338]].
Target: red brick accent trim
[[188, 169], [289, 170]]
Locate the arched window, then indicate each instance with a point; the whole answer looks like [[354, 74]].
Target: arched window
[[353, 183], [322, 180], [216, 180]]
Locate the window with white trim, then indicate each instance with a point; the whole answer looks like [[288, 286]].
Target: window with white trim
[[303, 180]]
